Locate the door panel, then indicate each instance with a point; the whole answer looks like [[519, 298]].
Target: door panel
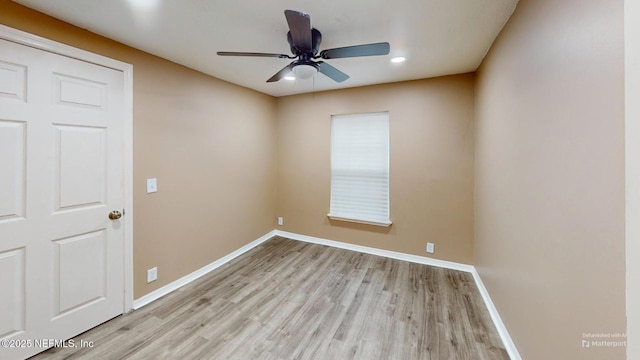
[[12, 297], [79, 271], [61, 140], [12, 176], [13, 81], [78, 92], [80, 166]]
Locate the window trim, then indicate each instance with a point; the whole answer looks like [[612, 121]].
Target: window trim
[[361, 221]]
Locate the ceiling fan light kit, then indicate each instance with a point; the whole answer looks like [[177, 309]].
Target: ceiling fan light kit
[[305, 44], [304, 71]]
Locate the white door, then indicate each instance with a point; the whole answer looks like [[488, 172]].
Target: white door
[[61, 174]]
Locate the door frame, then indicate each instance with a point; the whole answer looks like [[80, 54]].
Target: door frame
[[34, 41]]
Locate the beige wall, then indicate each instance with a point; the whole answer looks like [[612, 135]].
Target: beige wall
[[210, 144], [431, 164], [550, 241], [632, 171]]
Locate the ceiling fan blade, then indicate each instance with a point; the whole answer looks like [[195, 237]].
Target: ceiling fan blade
[[282, 73], [255, 54], [357, 50], [300, 27], [331, 72]]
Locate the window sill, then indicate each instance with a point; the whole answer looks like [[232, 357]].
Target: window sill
[[385, 223]]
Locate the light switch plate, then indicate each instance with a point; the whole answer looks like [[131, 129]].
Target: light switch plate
[[152, 185]]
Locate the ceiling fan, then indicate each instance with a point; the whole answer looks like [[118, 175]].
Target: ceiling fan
[[305, 43]]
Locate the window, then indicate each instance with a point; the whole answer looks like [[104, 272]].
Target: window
[[360, 168]]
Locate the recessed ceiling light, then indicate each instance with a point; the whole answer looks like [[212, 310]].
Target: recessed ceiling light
[[398, 59], [290, 77], [144, 4]]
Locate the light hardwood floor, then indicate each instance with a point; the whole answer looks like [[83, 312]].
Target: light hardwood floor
[[292, 300]]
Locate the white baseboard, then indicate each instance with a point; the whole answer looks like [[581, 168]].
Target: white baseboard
[[156, 294], [497, 321], [380, 252], [493, 312]]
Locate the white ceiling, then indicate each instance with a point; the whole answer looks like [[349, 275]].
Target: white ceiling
[[438, 37]]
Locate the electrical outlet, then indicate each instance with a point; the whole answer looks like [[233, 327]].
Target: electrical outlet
[[280, 220], [152, 274], [431, 248]]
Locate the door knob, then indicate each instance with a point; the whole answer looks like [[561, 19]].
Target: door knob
[[115, 215]]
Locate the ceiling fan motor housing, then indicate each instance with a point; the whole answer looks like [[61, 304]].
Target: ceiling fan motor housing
[[316, 39]]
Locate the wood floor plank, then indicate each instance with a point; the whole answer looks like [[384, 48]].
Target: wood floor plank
[[292, 300]]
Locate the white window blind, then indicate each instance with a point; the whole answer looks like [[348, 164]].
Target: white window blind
[[360, 168]]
